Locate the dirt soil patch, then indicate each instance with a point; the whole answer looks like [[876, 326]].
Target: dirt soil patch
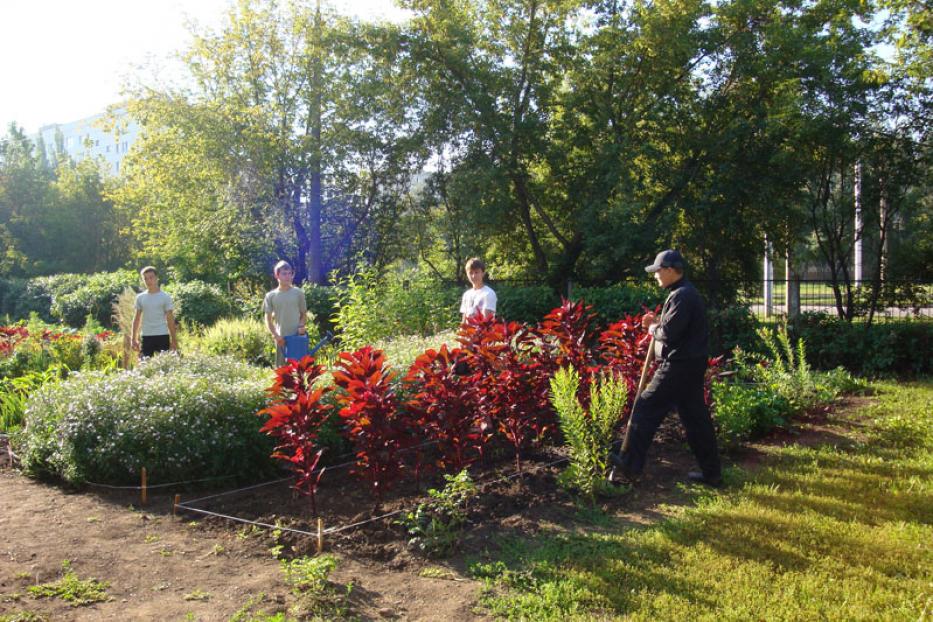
[[197, 567]]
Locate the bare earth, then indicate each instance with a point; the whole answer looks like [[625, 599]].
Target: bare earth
[[164, 568], [152, 561]]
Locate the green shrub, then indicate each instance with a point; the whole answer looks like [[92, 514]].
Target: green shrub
[[840, 381], [322, 303], [15, 392], [884, 348], [12, 293], [416, 303], [20, 298], [95, 297], [786, 372], [359, 319], [371, 307], [181, 418], [527, 304], [588, 434], [246, 340], [733, 327], [199, 303], [436, 527], [744, 411]]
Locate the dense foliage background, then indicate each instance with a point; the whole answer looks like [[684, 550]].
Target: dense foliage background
[[560, 140]]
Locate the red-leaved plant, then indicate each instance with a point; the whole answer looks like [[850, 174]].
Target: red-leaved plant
[[569, 339], [623, 347], [295, 416], [713, 369], [374, 424], [444, 405], [511, 380]]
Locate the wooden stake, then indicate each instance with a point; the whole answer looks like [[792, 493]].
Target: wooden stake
[[143, 493], [175, 505], [320, 535]]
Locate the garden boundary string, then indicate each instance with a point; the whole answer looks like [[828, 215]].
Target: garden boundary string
[[330, 530], [341, 465], [151, 486]]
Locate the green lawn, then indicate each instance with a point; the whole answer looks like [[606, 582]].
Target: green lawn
[[835, 532]]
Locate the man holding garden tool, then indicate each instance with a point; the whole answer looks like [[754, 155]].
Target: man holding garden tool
[[679, 341]]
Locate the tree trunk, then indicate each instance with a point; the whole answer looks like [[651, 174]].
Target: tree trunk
[[301, 234], [524, 208], [315, 200]]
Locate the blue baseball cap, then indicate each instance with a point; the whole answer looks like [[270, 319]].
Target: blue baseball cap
[[666, 259]]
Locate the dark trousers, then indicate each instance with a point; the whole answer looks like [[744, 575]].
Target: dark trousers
[[153, 344], [676, 384]]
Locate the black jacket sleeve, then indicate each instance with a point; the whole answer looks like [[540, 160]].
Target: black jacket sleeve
[[682, 328]]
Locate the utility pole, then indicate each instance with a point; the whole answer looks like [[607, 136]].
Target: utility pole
[[857, 246], [768, 271]]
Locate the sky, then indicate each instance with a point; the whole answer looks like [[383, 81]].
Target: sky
[[64, 60]]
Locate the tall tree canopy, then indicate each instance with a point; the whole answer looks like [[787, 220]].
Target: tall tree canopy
[[289, 141]]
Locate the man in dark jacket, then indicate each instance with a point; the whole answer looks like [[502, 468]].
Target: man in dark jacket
[[681, 348]]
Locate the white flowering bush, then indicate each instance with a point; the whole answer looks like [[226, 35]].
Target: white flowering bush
[[181, 418]]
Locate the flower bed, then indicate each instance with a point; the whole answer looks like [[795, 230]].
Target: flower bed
[[181, 418]]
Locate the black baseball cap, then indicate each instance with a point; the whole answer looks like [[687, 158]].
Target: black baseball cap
[[666, 259]]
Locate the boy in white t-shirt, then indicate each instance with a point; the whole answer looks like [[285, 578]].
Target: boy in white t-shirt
[[479, 299], [155, 315]]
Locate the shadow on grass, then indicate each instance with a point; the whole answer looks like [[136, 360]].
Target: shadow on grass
[[812, 511]]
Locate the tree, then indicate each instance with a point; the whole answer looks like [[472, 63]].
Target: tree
[[274, 146], [54, 220], [24, 188], [489, 74]]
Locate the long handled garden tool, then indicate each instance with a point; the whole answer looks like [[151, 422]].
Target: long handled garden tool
[[649, 358]]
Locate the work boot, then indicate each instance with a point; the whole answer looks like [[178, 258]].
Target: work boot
[[620, 473], [699, 478]]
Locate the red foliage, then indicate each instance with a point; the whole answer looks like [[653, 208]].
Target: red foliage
[[713, 368], [511, 379], [623, 347], [50, 336], [295, 416], [571, 335], [10, 337], [375, 425], [569, 339], [445, 405]]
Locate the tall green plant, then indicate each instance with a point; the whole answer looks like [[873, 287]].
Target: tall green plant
[[787, 372], [360, 318], [588, 433], [15, 392]]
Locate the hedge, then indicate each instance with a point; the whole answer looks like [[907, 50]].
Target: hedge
[[901, 348]]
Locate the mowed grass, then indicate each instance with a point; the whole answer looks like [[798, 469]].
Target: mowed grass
[[835, 532]]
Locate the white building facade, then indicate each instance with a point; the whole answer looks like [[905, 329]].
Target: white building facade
[[106, 136]]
